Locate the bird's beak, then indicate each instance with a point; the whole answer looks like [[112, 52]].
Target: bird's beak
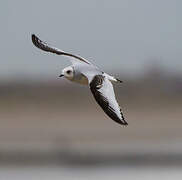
[[61, 75]]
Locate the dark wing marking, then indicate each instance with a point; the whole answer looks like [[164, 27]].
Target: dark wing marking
[[103, 93], [45, 47]]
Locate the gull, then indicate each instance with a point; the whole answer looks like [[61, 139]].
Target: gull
[[84, 72]]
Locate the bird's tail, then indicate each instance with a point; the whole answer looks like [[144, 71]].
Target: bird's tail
[[118, 80], [113, 79]]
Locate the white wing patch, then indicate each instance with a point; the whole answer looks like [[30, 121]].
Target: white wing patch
[[103, 93]]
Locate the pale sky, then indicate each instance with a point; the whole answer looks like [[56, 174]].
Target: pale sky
[[126, 35]]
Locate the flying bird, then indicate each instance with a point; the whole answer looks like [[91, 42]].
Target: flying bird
[[83, 72]]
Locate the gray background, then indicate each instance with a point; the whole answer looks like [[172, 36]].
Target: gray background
[[51, 128], [123, 35]]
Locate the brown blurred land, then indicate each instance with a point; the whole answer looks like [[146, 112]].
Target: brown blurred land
[[61, 118]]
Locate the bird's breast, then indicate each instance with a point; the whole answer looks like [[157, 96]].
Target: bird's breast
[[81, 80]]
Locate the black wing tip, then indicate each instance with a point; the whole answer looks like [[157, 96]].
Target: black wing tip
[[38, 43], [124, 123], [121, 122], [34, 39]]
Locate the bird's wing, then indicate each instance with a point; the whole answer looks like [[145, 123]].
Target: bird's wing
[[103, 93], [46, 47]]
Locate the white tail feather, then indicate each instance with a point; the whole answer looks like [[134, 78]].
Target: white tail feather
[[112, 78]]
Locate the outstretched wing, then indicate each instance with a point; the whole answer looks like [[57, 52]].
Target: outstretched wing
[[103, 93], [46, 47]]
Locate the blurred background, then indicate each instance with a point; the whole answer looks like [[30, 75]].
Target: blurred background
[[52, 128]]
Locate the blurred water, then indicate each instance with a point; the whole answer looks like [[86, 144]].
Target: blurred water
[[65, 173], [40, 138]]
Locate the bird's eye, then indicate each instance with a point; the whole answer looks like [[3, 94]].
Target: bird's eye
[[68, 72]]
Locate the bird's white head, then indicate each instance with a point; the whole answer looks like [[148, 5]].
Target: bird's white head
[[68, 73]]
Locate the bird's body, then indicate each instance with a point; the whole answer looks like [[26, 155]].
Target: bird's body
[[79, 78], [83, 72]]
